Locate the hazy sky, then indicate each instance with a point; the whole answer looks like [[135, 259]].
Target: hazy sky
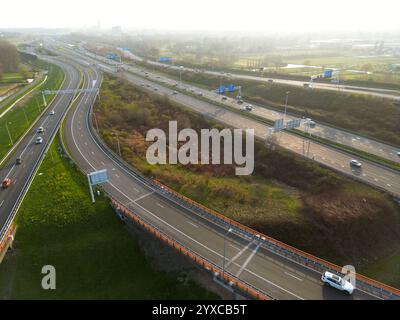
[[247, 15]]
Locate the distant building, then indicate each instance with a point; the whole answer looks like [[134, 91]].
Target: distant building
[[116, 31]]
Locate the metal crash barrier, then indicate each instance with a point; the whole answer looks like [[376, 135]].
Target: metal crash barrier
[[7, 241], [231, 279], [364, 283]]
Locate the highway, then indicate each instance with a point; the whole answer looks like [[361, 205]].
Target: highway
[[246, 258], [370, 173], [333, 134], [32, 153], [336, 135], [377, 92]]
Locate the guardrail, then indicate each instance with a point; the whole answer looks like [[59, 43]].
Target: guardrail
[[7, 241], [372, 286], [204, 262], [32, 174], [305, 259]]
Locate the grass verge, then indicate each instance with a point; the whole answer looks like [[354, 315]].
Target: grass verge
[[94, 254]]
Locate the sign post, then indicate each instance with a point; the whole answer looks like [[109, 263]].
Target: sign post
[[95, 178]]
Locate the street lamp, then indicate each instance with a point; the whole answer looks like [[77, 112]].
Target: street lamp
[[286, 103], [9, 134], [119, 147], [180, 76], [223, 262]]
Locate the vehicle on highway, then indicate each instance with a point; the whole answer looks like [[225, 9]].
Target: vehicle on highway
[[175, 92], [224, 98], [398, 153], [337, 282], [39, 140], [240, 101], [247, 107], [311, 123], [40, 130], [306, 85], [270, 80], [155, 89], [355, 163], [6, 183], [200, 94], [18, 161], [52, 113]]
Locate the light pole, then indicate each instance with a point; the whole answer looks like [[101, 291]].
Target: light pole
[[223, 262], [286, 103], [119, 147], [180, 76], [9, 134]]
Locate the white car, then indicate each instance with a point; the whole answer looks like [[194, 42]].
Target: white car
[[337, 282], [398, 153], [40, 130], [39, 140], [355, 163], [247, 107], [52, 113]]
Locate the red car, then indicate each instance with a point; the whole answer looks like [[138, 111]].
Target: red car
[[6, 183]]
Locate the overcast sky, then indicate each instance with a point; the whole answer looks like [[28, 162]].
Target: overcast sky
[[246, 15]]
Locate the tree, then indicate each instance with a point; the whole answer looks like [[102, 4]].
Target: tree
[[9, 57]]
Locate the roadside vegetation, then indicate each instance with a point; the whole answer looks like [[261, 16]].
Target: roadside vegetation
[[287, 197], [366, 115], [13, 73], [16, 121], [95, 255]]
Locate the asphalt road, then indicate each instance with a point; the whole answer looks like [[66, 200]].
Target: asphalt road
[[377, 92], [246, 258], [336, 135], [370, 173], [32, 153]]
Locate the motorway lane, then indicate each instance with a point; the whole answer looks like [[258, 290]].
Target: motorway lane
[[337, 135], [346, 138], [371, 173], [262, 268], [30, 152]]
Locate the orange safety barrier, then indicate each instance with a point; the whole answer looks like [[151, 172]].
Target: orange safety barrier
[[239, 284], [4, 244], [277, 242]]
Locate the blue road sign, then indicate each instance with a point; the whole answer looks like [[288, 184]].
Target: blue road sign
[[231, 87], [221, 89], [165, 59], [328, 73]]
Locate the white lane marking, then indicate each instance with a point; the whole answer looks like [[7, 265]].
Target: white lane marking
[[143, 196], [216, 253], [1, 203], [166, 223], [293, 276], [238, 254], [234, 247], [194, 225], [248, 260], [160, 205]]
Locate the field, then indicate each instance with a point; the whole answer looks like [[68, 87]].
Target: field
[[287, 197], [31, 106], [94, 254]]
